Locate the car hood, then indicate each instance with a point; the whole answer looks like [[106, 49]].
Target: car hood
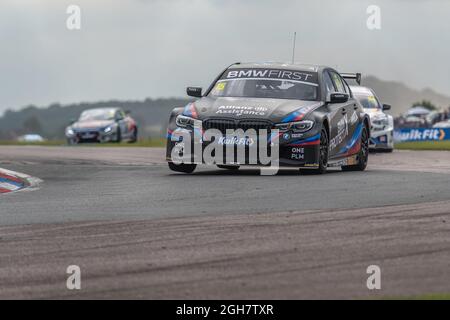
[[375, 113], [92, 124], [248, 108]]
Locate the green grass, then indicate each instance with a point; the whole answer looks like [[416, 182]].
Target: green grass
[[436, 296], [44, 143], [424, 145], [433, 296], [149, 143]]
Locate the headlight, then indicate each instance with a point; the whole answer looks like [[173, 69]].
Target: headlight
[[381, 121], [69, 132], [108, 129], [183, 121], [300, 126]]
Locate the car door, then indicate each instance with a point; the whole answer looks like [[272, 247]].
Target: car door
[[340, 130], [120, 119], [354, 110]]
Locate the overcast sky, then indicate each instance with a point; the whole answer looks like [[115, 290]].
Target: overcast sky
[[133, 49]]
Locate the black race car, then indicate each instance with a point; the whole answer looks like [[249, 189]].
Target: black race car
[[311, 109], [102, 125]]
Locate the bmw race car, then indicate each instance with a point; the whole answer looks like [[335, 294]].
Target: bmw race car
[[102, 125], [318, 121], [382, 131]]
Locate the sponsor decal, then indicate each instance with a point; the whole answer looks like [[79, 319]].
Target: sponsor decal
[[342, 133], [286, 136], [314, 140], [311, 165], [242, 110], [272, 74], [238, 141], [297, 135], [220, 86], [422, 134], [298, 153]]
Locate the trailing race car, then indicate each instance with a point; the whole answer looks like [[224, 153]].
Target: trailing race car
[[319, 122], [382, 131], [102, 125]]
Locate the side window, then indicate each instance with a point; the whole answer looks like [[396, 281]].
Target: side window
[[328, 82], [338, 83], [347, 89]]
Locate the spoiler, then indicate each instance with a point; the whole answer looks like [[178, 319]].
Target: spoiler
[[354, 76]]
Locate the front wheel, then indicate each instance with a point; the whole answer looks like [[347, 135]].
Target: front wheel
[[363, 155], [118, 136], [182, 167], [323, 155]]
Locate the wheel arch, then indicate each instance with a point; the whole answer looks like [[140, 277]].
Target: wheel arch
[[326, 124], [366, 122]]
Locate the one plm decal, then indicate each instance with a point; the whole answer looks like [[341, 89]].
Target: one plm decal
[[298, 153]]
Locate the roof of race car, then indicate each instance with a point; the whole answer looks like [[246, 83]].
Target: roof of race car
[[278, 65]]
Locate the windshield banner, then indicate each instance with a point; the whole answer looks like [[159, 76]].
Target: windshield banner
[[271, 74]]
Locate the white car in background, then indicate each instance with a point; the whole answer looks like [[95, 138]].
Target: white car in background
[[443, 124], [382, 130], [32, 138]]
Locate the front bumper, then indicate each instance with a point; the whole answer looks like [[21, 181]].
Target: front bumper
[[92, 135], [293, 150], [382, 139]]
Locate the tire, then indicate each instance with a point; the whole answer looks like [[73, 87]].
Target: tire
[[183, 167], [118, 136], [363, 155], [228, 167], [323, 155], [71, 142]]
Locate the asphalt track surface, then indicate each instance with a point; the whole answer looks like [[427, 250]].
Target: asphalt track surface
[[138, 230]]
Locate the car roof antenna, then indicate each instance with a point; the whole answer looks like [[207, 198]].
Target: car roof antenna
[[293, 47]]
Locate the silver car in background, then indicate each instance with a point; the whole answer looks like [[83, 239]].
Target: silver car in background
[[382, 130]]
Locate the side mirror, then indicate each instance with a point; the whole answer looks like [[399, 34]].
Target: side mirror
[[386, 107], [72, 121], [337, 97], [194, 92]]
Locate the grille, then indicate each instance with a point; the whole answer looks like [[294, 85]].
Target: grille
[[224, 124], [228, 124]]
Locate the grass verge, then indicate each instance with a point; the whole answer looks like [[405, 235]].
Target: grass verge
[[424, 145], [149, 143]]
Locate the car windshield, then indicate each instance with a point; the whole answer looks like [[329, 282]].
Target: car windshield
[[97, 114], [368, 101], [267, 83]]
